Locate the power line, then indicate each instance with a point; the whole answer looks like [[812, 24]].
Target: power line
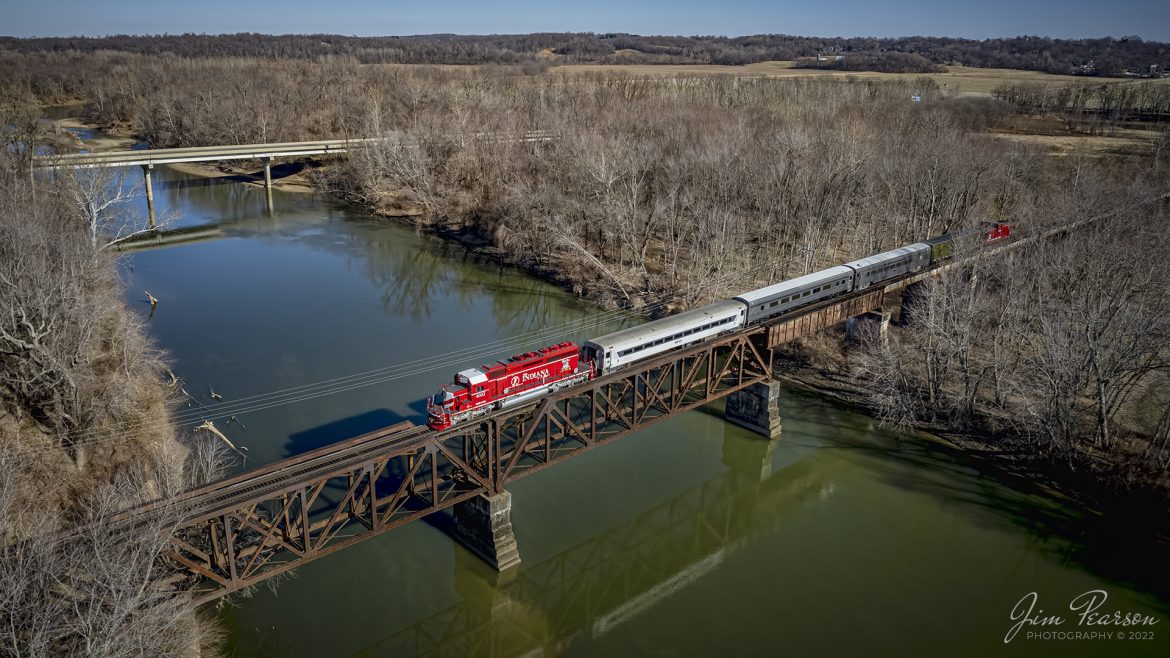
[[260, 402]]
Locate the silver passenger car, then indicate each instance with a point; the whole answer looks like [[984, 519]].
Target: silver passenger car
[[780, 297], [885, 265], [615, 350]]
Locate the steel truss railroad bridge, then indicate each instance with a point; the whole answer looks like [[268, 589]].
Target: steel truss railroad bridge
[[267, 521], [242, 530]]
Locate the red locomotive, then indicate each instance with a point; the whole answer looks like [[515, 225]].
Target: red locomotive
[[476, 391]]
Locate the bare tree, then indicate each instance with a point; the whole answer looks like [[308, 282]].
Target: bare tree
[[98, 196], [107, 589]]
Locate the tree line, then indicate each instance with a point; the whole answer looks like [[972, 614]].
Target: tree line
[[1098, 57], [1091, 107]]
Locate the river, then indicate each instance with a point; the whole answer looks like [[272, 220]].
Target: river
[[691, 538]]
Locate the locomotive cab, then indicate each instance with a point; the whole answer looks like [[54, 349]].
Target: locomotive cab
[[444, 398]]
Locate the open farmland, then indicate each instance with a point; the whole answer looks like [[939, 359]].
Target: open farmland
[[960, 79]]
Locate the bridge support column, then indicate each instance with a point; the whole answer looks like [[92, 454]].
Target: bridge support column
[[871, 325], [146, 169], [268, 183], [484, 526], [913, 296], [757, 408]]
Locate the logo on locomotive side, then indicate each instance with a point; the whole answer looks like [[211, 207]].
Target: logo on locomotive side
[[527, 377]]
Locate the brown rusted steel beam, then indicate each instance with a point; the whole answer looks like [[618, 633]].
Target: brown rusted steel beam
[[396, 483]]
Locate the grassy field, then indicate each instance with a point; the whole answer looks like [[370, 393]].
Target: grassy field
[[1123, 143], [957, 79]]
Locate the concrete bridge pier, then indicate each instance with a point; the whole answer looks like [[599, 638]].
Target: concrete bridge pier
[[268, 183], [869, 326], [756, 408], [483, 525], [913, 297], [146, 169]]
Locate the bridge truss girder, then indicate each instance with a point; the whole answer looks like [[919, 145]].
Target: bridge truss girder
[[228, 549]]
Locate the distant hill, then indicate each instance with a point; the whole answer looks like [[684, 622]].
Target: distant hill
[[1100, 57]]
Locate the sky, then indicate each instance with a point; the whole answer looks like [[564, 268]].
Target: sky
[[1149, 19]]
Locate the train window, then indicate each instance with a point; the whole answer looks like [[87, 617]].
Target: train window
[[774, 304], [806, 293], [785, 300]]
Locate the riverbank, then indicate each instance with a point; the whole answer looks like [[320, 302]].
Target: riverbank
[[86, 431], [1095, 480], [287, 177]]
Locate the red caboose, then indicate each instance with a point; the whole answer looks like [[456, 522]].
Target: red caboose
[[997, 231], [476, 391]]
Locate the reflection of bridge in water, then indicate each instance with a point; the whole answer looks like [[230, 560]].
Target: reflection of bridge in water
[[156, 239], [600, 584]]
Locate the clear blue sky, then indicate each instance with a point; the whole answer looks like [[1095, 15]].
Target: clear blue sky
[[978, 19]]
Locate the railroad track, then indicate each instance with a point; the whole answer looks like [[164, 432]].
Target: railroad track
[[224, 495]]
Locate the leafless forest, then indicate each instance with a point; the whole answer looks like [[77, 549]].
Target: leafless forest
[[687, 189], [84, 423]]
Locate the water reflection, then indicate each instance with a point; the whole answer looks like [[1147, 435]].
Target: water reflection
[[695, 538], [609, 580]]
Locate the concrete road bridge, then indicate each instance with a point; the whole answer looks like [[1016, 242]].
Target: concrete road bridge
[[148, 159], [267, 521]]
